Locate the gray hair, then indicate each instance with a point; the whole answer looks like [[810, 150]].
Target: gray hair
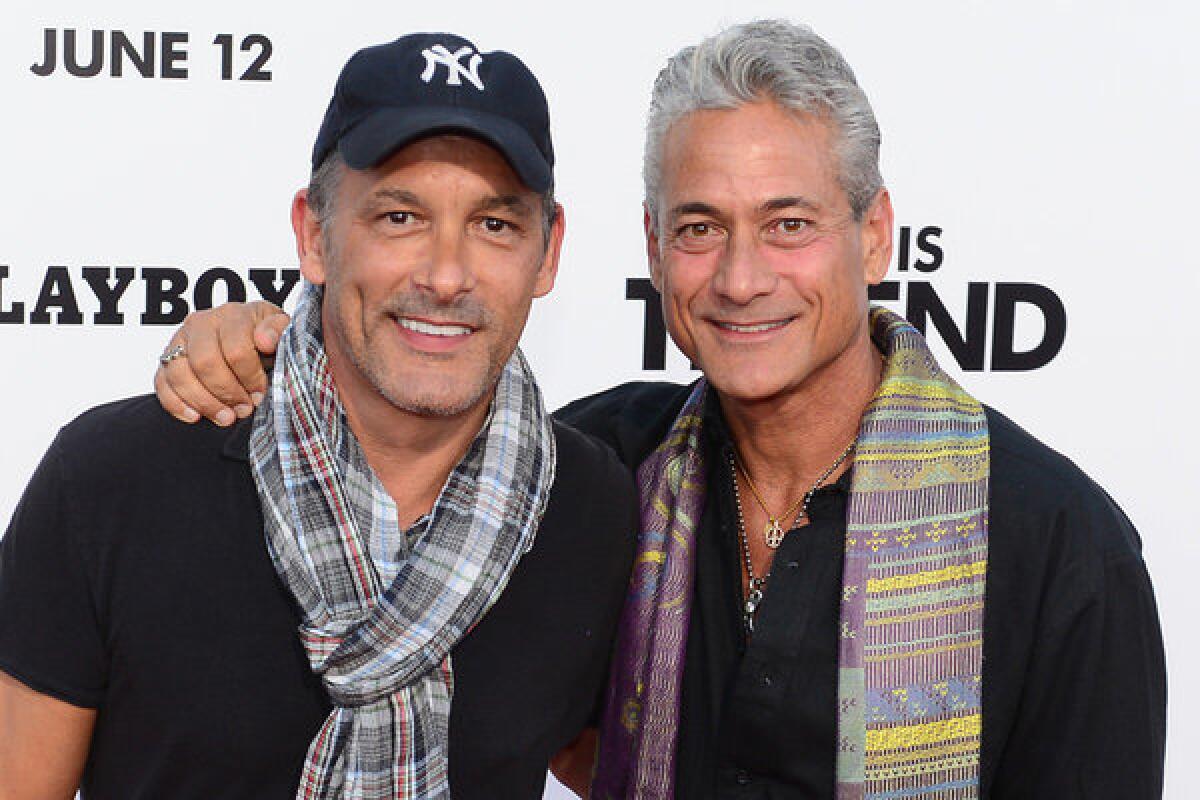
[[322, 188], [768, 60]]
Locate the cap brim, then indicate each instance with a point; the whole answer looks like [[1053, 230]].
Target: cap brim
[[388, 129]]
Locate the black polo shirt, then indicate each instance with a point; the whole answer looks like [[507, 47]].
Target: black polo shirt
[[135, 579], [1074, 685]]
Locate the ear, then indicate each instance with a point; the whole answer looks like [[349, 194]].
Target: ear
[[548, 271], [309, 244], [876, 234], [653, 252]]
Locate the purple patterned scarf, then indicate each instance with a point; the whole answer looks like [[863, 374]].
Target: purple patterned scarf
[[910, 657]]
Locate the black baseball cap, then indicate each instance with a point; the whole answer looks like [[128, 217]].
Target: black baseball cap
[[426, 83]]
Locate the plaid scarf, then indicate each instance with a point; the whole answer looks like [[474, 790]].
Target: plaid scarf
[[383, 651], [910, 655]]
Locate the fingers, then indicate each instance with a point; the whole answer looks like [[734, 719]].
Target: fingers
[[213, 338], [236, 337], [178, 379], [202, 379], [171, 401], [271, 320], [183, 396], [221, 375]]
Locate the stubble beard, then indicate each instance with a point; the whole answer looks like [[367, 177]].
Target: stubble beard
[[450, 394], [448, 399], [443, 402]]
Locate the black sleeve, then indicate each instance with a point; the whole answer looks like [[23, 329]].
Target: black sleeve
[[631, 418], [1092, 719], [1127, 719], [50, 638], [629, 550]]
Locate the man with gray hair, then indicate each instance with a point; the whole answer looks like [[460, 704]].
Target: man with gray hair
[[853, 580]]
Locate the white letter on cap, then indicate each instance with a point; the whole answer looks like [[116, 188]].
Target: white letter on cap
[[455, 72]]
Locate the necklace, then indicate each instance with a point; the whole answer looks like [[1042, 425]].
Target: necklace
[[757, 584], [774, 531]]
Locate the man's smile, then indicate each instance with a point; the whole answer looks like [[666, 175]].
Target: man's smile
[[434, 328], [429, 336], [742, 329]]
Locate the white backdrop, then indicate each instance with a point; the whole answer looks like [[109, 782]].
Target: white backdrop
[[1050, 143]]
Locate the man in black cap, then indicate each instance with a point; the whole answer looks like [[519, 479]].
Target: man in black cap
[[401, 501]]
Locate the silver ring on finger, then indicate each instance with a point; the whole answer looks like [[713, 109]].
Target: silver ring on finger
[[171, 353]]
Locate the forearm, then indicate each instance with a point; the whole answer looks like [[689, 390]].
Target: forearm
[[43, 743]]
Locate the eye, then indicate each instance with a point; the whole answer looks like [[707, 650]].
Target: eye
[[696, 230], [399, 217], [791, 225], [698, 237], [496, 225]]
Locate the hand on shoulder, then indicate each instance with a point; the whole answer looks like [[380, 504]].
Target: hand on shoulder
[[214, 365]]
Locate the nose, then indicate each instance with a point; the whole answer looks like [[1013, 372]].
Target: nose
[[447, 273], [742, 273]]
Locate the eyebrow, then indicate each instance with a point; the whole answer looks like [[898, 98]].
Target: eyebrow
[[396, 196], [793, 201], [774, 204], [512, 202], [693, 207]]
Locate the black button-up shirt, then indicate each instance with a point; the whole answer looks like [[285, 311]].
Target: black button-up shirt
[[762, 712], [1074, 684]]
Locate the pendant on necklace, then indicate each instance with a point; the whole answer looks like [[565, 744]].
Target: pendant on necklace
[[753, 598], [773, 533]]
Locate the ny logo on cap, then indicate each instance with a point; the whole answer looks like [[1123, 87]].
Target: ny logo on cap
[[455, 71]]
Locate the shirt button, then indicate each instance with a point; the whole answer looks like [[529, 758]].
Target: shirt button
[[743, 778], [766, 681]]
